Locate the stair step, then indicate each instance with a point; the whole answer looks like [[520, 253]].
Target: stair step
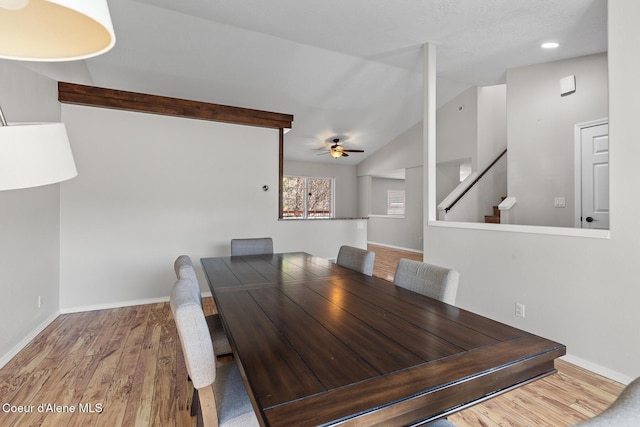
[[496, 211], [492, 219]]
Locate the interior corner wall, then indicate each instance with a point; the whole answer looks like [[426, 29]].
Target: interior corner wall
[[346, 183], [151, 187], [492, 123], [457, 136], [379, 192], [364, 195], [457, 129], [402, 232], [579, 291], [404, 152], [540, 131], [29, 222]]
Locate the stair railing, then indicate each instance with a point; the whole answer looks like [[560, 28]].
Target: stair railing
[[475, 181]]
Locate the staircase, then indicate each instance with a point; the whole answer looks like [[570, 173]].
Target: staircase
[[495, 218]]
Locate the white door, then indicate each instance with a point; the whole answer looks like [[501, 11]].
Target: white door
[[595, 176]]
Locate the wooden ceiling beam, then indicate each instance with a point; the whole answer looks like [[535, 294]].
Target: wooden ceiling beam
[[71, 93]]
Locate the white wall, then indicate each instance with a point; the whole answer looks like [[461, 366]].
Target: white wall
[[405, 232], [472, 128], [380, 191], [540, 132], [457, 129], [404, 152], [150, 188], [492, 122], [580, 291], [346, 183], [29, 222], [492, 140]]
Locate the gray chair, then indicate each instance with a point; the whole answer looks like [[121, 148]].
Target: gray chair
[[254, 246], [222, 399], [356, 259], [427, 279], [624, 412], [184, 270], [440, 423]]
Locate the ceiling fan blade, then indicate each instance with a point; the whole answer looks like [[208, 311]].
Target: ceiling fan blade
[[320, 154], [344, 154], [354, 151]]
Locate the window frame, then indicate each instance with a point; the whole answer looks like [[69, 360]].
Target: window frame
[[305, 210], [391, 194]]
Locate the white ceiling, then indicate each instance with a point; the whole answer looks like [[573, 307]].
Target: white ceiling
[[341, 67]]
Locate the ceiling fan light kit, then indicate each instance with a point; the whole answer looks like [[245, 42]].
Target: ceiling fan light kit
[[336, 150]]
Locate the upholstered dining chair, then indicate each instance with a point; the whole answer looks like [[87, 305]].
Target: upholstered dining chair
[[222, 399], [183, 267], [253, 246], [623, 412], [440, 423], [427, 279], [356, 259]]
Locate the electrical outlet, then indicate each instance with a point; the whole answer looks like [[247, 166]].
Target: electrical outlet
[[519, 309]]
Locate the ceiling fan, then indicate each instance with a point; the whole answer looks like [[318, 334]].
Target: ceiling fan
[[336, 150]]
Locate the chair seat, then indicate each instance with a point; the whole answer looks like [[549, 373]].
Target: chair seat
[[232, 401], [221, 344], [623, 412]]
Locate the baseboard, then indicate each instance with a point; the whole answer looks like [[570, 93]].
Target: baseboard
[[27, 339], [118, 304], [600, 370], [395, 247]]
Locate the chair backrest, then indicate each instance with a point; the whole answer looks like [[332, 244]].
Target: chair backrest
[[624, 412], [427, 279], [181, 262], [184, 270], [356, 259], [253, 246], [194, 335]]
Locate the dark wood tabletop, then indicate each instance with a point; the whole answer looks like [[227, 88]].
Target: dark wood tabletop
[[319, 344]]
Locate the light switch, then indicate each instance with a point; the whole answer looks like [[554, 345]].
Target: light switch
[[559, 202]]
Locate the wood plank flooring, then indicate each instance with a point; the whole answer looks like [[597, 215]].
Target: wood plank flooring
[[124, 367], [387, 260]]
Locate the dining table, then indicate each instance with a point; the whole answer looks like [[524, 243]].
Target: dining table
[[318, 344]]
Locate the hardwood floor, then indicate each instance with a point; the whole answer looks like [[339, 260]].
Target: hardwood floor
[[124, 367], [387, 260]]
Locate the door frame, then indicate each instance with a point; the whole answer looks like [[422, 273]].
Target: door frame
[[577, 166]]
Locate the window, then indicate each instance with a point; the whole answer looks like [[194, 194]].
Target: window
[[307, 197], [395, 202]]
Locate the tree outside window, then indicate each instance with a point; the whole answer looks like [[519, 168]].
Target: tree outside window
[[304, 197]]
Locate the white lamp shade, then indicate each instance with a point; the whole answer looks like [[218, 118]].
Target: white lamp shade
[[34, 154], [54, 30]]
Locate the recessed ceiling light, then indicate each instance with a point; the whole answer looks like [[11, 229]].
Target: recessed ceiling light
[[549, 45]]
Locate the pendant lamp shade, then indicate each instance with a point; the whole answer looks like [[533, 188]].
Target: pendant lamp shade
[[54, 30], [34, 154]]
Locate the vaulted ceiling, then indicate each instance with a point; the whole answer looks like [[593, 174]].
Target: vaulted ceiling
[[342, 67]]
